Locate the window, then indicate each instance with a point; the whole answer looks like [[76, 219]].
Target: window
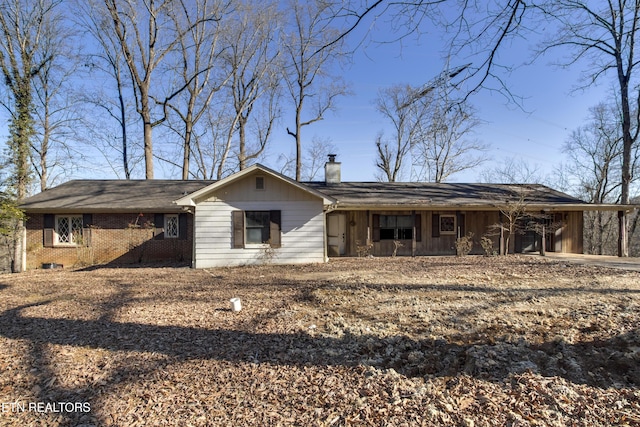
[[257, 227], [396, 227], [171, 227], [68, 230], [448, 224], [259, 182]]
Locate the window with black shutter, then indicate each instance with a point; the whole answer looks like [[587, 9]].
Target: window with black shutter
[[254, 228]]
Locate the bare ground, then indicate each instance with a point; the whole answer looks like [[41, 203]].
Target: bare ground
[[469, 341]]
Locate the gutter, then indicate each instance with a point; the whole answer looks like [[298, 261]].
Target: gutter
[[573, 207]]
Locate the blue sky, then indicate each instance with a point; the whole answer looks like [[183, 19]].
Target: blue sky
[[534, 133]]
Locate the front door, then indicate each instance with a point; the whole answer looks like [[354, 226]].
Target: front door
[[336, 234], [554, 237]]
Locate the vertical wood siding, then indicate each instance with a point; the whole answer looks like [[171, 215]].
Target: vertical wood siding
[[361, 225]]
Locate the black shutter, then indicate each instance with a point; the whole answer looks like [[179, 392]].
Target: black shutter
[[275, 228], [418, 226], [460, 220], [182, 226], [48, 226], [158, 224], [435, 225], [376, 227], [237, 234]]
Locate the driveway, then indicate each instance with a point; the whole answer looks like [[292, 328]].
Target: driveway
[[631, 264]]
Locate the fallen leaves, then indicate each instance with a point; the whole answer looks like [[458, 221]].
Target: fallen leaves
[[469, 341]]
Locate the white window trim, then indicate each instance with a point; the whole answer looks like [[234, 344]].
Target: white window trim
[[256, 245], [264, 183], [455, 225], [56, 241], [166, 228], [248, 245]]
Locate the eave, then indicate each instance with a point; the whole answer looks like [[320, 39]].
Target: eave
[[191, 200], [578, 207]]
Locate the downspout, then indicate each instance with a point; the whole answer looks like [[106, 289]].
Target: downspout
[[23, 249], [193, 241], [324, 235], [192, 211]]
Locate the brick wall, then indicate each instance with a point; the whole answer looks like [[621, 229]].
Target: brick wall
[[117, 239]]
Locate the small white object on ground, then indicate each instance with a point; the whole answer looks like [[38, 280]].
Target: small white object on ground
[[236, 305]]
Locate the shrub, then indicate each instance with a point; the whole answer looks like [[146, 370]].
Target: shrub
[[487, 245], [464, 244], [396, 245], [363, 250]]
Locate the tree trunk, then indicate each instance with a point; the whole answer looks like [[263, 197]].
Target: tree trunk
[[627, 142], [188, 131], [298, 143], [148, 143], [123, 129], [242, 143]]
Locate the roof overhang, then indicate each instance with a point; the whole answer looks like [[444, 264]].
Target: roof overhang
[[89, 210], [577, 207], [196, 197]]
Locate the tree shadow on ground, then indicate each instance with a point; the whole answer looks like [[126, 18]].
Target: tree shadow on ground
[[607, 363], [611, 362]]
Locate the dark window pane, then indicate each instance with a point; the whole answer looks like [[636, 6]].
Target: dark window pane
[[387, 234], [257, 227]]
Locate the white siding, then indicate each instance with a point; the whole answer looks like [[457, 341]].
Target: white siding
[[302, 233]]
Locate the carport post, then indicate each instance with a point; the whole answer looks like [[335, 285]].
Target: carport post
[[623, 251], [543, 240]]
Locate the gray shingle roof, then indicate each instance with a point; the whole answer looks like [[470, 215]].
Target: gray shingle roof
[[90, 196], [370, 194]]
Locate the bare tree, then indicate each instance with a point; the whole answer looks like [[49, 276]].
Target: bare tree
[[313, 159], [11, 219], [512, 211], [252, 61], [55, 110], [210, 143], [390, 158], [199, 54], [109, 60], [394, 104], [147, 34], [25, 26], [138, 28], [604, 35], [595, 151], [311, 46], [600, 37], [513, 171], [445, 143]]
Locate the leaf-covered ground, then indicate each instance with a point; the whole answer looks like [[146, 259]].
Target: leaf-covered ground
[[469, 341]]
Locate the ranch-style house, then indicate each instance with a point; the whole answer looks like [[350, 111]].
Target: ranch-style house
[[259, 215]]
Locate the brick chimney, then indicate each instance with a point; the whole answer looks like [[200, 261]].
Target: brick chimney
[[332, 171]]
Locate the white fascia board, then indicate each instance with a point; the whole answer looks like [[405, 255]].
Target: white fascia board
[[193, 198]]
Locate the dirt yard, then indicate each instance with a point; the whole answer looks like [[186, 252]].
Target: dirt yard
[[471, 341]]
